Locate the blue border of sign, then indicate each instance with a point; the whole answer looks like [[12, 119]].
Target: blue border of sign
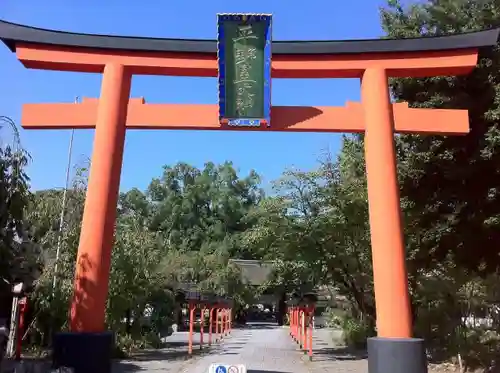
[[252, 18]]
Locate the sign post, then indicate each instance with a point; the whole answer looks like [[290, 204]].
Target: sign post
[[244, 59]]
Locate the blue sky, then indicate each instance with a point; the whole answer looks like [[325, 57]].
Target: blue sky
[[147, 151]]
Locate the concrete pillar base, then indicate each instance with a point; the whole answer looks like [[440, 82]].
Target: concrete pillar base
[[84, 352], [396, 355]]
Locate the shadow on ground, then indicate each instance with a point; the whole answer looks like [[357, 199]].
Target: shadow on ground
[[165, 354], [338, 353], [173, 344], [255, 326], [136, 362], [173, 351], [29, 364]]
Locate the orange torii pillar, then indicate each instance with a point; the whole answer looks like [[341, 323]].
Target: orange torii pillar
[[96, 237]]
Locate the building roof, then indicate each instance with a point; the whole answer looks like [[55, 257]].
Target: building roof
[[11, 34], [254, 272]]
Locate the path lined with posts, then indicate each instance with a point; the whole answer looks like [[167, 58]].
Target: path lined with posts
[[301, 327], [219, 322], [262, 348], [266, 348]]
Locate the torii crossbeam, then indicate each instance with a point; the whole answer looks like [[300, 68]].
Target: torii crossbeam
[[118, 58], [204, 117]]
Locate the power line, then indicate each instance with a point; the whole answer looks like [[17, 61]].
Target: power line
[[63, 207]]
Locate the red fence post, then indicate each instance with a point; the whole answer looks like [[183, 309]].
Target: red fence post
[[210, 324], [311, 333], [217, 328], [191, 322], [304, 335], [23, 305], [202, 325]]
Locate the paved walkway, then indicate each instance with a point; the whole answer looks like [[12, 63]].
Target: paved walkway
[[263, 348], [329, 357]]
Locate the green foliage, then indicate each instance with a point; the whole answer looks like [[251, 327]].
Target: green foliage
[[183, 229], [316, 230], [18, 257], [355, 332], [335, 317], [451, 184]]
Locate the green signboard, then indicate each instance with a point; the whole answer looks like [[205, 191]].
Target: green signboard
[[244, 69]]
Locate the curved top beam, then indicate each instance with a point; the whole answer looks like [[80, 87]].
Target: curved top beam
[[11, 34]]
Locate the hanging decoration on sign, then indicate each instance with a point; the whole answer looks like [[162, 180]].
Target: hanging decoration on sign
[[244, 57]]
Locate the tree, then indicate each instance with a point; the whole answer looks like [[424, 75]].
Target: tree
[[452, 183], [19, 257], [316, 231], [192, 207]]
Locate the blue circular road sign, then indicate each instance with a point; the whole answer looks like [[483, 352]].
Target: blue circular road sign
[[221, 369]]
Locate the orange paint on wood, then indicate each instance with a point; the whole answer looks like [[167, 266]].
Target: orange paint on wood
[[210, 325], [409, 64], [191, 327], [310, 345], [388, 251], [205, 117], [96, 238], [202, 326], [304, 329]]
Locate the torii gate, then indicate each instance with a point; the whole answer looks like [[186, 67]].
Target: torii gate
[[372, 61]]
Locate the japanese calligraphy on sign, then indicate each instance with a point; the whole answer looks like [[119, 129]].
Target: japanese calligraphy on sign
[[245, 53], [244, 69]]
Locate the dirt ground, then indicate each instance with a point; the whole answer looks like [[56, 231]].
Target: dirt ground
[[452, 368]]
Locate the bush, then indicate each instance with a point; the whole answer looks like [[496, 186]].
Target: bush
[[355, 332], [126, 343], [334, 317]]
